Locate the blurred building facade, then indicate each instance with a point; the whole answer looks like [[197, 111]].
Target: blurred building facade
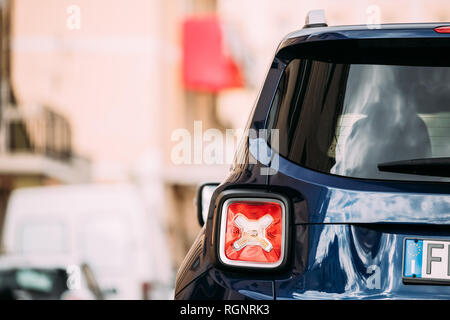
[[35, 140], [113, 70]]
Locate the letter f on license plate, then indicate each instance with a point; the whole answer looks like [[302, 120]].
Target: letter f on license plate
[[426, 260]]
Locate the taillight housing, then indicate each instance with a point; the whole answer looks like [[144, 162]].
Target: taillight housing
[[253, 232]]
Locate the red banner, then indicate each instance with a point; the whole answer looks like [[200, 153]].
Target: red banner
[[206, 64]]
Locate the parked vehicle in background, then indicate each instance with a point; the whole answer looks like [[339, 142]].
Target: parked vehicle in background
[[106, 226], [353, 200], [49, 278]]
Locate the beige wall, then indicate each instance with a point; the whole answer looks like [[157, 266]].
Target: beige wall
[[105, 77], [117, 79]]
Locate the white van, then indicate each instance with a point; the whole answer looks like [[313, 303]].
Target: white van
[[106, 226]]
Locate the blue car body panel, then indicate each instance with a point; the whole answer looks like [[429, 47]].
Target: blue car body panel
[[348, 200], [346, 234], [353, 262]]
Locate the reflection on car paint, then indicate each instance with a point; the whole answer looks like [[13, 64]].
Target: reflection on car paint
[[338, 268], [359, 206]]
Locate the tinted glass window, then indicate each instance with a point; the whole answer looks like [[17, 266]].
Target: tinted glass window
[[351, 119], [32, 283]]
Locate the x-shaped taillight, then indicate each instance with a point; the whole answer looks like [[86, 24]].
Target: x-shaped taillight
[[253, 232]]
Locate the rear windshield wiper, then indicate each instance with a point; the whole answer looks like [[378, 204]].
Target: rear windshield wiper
[[439, 167]]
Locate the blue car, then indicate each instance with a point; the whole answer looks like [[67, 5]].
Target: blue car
[[341, 188]]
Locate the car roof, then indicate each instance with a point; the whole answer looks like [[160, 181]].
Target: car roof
[[382, 31], [78, 188], [12, 261], [76, 198]]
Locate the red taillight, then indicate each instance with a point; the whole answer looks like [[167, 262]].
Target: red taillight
[[146, 289], [443, 29], [253, 233]]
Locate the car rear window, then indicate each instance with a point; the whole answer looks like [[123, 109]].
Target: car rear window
[[348, 118], [37, 283]]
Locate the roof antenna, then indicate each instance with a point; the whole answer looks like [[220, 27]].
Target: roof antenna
[[315, 19]]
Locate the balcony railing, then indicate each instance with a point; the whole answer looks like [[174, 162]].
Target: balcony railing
[[38, 131]]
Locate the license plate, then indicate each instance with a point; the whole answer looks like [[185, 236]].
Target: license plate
[[426, 261]]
